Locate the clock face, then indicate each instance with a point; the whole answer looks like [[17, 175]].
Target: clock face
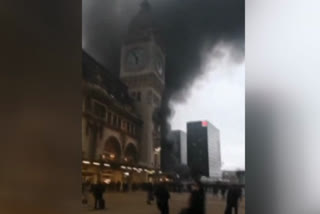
[[159, 65], [136, 58]]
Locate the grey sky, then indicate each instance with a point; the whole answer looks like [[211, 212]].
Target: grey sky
[[219, 97]]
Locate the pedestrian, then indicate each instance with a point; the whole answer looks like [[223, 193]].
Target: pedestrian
[[162, 196], [118, 186], [134, 186], [215, 190], [149, 193], [98, 190], [197, 199], [125, 187], [234, 194], [85, 192], [223, 190], [95, 195]]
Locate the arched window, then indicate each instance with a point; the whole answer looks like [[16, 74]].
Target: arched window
[[112, 150], [149, 97], [131, 155]]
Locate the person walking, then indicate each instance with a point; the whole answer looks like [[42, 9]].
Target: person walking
[[98, 190], [196, 201], [215, 190], [85, 192], [149, 193], [233, 196], [162, 195], [118, 186], [95, 195], [223, 190]]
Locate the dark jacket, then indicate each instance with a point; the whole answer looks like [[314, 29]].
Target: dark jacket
[[197, 202], [233, 197], [162, 194], [98, 190]]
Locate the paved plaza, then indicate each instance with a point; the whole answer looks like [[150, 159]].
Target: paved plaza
[[135, 203]]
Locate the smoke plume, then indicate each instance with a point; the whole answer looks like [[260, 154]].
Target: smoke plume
[[189, 29]]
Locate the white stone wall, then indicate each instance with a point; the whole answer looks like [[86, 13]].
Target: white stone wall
[[146, 111]]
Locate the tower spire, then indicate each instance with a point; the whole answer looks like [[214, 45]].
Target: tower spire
[[145, 5], [143, 20]]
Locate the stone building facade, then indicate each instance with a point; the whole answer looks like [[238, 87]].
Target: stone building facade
[[120, 135]]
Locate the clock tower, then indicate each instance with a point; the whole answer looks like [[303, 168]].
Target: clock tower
[[143, 71]]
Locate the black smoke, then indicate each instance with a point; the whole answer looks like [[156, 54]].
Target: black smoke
[[189, 29]]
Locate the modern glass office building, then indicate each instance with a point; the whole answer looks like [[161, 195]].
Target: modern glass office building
[[178, 140], [203, 149]]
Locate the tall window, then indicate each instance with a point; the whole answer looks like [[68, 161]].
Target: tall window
[[109, 117], [133, 94], [130, 126], [149, 97], [123, 124], [87, 104], [155, 160], [156, 100], [113, 119], [99, 110], [119, 123], [139, 96]]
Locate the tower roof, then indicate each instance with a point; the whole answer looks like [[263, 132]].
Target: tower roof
[[145, 5], [143, 20], [143, 28]]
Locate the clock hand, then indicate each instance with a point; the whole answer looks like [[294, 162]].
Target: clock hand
[[136, 60], [135, 57]]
